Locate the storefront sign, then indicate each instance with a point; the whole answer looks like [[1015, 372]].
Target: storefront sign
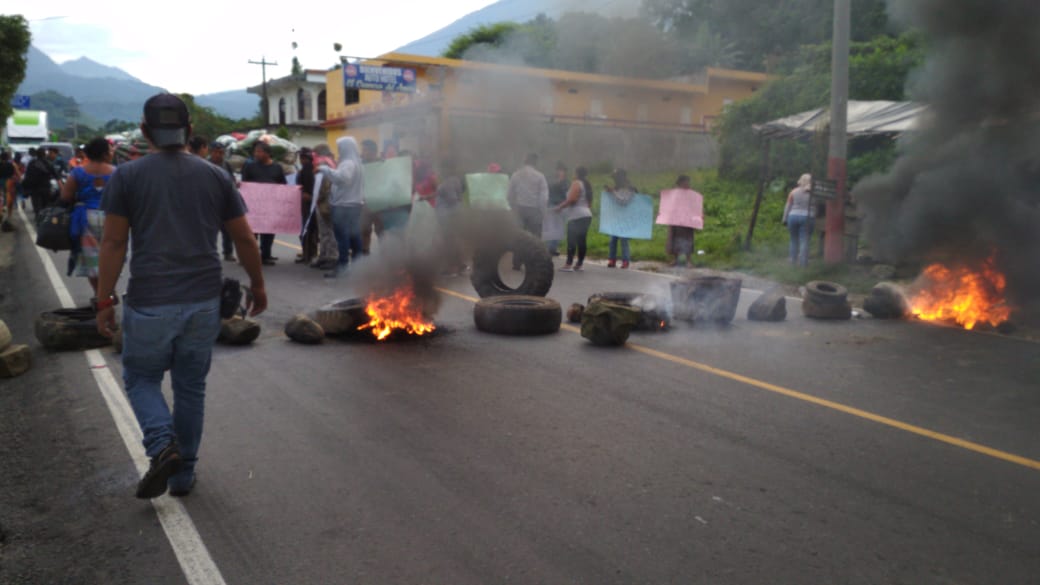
[[369, 77]]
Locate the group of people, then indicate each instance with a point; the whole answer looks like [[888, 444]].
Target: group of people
[[33, 175]]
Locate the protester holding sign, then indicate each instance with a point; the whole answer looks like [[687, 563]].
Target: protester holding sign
[[348, 196], [680, 238], [263, 169], [554, 225], [622, 194]]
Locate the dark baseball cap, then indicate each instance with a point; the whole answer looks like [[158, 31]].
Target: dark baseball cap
[[167, 119]]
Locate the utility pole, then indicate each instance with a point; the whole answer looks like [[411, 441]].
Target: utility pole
[[263, 63], [834, 246]]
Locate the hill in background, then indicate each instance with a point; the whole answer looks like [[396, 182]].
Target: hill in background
[[434, 44], [109, 93]]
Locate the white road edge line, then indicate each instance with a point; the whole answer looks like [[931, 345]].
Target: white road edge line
[[191, 552]]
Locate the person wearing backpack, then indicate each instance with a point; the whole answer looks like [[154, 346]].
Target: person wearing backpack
[[38, 176]]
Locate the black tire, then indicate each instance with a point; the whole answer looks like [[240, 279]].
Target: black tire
[[341, 317], [650, 319], [828, 311], [518, 315], [826, 293], [70, 330], [534, 257]]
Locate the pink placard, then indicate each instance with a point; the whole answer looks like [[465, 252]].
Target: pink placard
[[273, 209], [683, 208]]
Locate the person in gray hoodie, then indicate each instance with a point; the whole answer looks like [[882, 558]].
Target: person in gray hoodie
[[348, 197]]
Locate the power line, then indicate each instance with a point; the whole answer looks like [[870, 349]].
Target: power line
[[263, 63]]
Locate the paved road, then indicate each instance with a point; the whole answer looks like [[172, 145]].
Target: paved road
[[801, 452]]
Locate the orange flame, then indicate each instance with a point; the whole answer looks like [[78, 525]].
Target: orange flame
[[401, 311], [960, 294]]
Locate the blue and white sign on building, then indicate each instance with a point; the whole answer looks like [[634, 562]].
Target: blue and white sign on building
[[369, 77], [21, 102]]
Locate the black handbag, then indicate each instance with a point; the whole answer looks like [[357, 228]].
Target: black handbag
[[52, 228]]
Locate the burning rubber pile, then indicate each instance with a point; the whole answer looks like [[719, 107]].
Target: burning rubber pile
[[962, 295]]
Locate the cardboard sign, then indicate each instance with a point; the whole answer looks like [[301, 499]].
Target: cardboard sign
[[634, 221], [273, 209], [388, 184], [682, 208], [488, 190], [554, 226]]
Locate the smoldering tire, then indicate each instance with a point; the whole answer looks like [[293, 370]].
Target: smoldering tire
[[518, 315]]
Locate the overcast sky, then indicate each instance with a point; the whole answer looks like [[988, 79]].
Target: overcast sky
[[204, 47]]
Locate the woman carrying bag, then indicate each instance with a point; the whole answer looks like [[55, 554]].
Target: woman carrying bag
[[83, 188]]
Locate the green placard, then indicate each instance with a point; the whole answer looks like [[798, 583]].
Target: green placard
[[388, 184], [488, 190]]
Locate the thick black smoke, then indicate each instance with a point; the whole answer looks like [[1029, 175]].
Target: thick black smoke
[[967, 185]]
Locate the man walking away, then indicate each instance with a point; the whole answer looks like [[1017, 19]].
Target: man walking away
[[172, 204], [529, 198], [263, 169], [216, 156]]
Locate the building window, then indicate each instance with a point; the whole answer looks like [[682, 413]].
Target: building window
[[322, 108], [304, 111], [686, 116], [596, 108], [642, 113], [281, 112], [353, 96], [727, 102]]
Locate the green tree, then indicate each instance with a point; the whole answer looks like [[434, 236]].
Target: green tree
[[115, 126], [763, 31], [207, 122], [878, 70], [14, 43], [493, 35]]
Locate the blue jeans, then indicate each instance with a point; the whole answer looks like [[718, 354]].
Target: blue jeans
[[626, 253], [801, 229], [178, 338], [346, 224]]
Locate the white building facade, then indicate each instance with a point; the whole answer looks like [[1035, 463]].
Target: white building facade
[[297, 103]]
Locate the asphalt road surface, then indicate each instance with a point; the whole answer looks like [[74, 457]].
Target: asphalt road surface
[[800, 452]]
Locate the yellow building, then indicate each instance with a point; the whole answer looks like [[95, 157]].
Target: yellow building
[[474, 113]]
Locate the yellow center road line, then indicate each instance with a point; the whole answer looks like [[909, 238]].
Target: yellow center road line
[[804, 397], [288, 245]]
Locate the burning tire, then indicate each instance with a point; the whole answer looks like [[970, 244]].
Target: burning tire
[[822, 292], [341, 317], [653, 314], [70, 330], [518, 315], [535, 258]]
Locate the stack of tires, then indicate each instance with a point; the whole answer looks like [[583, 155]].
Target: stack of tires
[[826, 300]]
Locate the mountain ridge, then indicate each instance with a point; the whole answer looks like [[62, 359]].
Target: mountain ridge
[[107, 93]]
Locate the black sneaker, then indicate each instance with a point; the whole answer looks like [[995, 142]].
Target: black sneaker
[[163, 466]]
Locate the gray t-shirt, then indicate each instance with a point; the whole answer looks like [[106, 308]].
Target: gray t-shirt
[[176, 204]]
